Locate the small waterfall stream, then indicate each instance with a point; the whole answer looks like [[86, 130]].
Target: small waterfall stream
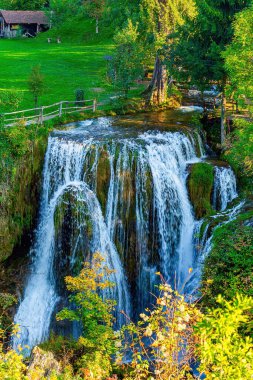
[[123, 194], [224, 187]]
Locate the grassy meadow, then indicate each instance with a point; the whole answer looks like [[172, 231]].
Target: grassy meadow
[[78, 62]]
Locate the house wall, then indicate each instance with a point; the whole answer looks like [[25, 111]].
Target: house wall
[[1, 26], [16, 30]]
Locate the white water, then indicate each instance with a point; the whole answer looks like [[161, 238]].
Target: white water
[[224, 188], [63, 171], [146, 225]]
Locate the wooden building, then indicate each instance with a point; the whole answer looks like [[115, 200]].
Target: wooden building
[[22, 23]]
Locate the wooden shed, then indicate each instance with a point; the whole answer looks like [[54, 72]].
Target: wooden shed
[[22, 23]]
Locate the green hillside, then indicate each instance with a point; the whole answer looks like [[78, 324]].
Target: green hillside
[[78, 62]]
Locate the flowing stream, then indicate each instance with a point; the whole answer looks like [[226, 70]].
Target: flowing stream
[[119, 189]]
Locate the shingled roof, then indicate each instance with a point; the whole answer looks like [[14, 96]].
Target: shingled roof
[[25, 17]]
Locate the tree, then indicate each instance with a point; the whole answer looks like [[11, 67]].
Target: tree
[[95, 315], [159, 18], [162, 343], [36, 84], [64, 10], [197, 56], [128, 58], [175, 334], [23, 4], [95, 10], [239, 56], [118, 12]]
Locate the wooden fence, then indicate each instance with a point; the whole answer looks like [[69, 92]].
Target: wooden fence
[[41, 114]]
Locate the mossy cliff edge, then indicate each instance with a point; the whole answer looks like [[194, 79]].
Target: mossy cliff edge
[[200, 185], [22, 156]]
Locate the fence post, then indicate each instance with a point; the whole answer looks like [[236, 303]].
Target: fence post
[[41, 115], [2, 121], [94, 105], [60, 110]]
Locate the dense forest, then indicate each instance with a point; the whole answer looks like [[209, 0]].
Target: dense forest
[[126, 223]]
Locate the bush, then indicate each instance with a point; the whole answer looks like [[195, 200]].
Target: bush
[[223, 353], [96, 344], [162, 344]]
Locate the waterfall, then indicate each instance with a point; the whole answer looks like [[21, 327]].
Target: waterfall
[[124, 194], [63, 173], [224, 187], [203, 239]]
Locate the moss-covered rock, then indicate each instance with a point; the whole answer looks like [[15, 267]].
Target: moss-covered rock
[[103, 178], [200, 184], [229, 267], [73, 228], [19, 194]]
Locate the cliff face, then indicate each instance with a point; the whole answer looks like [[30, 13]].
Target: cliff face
[[19, 196]]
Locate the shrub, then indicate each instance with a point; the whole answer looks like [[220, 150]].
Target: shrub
[[95, 316]]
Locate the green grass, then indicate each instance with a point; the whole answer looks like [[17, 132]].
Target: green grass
[[78, 62]]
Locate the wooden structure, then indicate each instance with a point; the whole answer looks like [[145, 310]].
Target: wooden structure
[[22, 23], [41, 114]]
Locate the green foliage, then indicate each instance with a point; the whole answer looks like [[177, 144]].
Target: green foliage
[[238, 55], [159, 18], [22, 4], [6, 302], [22, 151], [162, 343], [174, 334], [94, 314], [223, 353], [11, 363], [200, 184], [95, 9], [12, 366], [202, 40], [117, 12], [127, 62], [36, 84], [10, 99], [239, 151], [64, 11], [15, 143], [229, 267]]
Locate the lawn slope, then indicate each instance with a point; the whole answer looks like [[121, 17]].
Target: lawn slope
[[78, 62]]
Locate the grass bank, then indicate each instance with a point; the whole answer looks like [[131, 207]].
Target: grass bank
[[78, 62]]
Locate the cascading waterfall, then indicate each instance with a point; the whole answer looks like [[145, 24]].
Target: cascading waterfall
[[62, 175], [224, 187], [203, 237], [124, 195]]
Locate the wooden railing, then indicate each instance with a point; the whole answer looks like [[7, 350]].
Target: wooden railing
[[41, 114]]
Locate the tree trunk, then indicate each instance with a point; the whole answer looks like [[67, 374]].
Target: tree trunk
[[223, 111], [237, 107], [97, 26], [223, 117], [156, 93], [36, 101]]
